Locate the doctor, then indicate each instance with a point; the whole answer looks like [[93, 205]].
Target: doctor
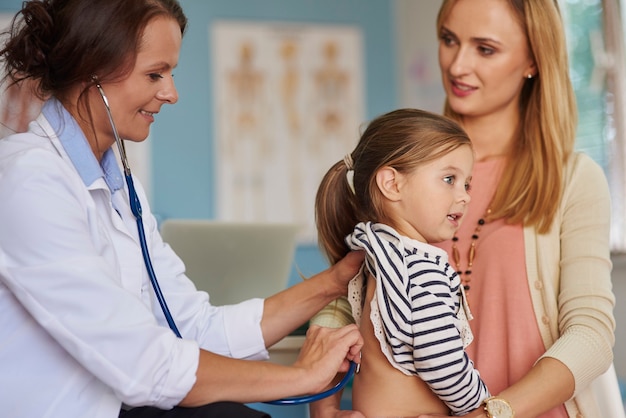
[[81, 332]]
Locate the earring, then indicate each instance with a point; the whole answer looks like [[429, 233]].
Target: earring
[[529, 76]]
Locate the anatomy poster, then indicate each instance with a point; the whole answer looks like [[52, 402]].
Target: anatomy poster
[[288, 105]]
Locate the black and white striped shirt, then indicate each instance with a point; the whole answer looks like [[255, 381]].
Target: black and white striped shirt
[[419, 313]]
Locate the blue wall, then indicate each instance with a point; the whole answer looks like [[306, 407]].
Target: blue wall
[[183, 184], [184, 134]]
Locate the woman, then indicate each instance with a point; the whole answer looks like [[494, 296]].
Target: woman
[[533, 251], [546, 331], [82, 331]]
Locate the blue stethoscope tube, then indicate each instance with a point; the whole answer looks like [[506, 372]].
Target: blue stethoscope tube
[[297, 400], [135, 207]]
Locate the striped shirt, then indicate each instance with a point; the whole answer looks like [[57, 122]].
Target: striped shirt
[[419, 313]]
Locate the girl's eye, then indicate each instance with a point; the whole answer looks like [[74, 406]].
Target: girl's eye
[[468, 187], [449, 179], [155, 76]]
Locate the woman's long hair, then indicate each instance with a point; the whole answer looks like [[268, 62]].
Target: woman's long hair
[[532, 182]]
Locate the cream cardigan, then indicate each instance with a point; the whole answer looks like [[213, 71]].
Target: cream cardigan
[[569, 276]]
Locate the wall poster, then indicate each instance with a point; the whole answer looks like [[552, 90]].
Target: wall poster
[[288, 104]]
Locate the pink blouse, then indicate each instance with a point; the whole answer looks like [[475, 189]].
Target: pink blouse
[[506, 337]]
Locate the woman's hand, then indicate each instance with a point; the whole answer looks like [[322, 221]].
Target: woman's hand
[[327, 351], [294, 306]]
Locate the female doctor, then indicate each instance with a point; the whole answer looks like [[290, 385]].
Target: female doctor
[[83, 332]]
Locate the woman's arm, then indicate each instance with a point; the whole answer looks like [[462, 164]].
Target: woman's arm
[[584, 299], [292, 307], [548, 384], [324, 353], [583, 304]]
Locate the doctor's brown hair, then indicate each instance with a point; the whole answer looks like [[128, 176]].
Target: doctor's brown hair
[[61, 43], [402, 139]]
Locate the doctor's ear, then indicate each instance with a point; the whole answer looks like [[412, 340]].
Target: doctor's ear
[[388, 182]]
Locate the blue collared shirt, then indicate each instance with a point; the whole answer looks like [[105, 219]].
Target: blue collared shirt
[[79, 150]]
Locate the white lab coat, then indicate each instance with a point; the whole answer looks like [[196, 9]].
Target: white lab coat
[[80, 329]]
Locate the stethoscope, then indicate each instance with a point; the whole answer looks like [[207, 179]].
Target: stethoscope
[[135, 207]]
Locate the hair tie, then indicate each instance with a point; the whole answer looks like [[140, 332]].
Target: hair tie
[[347, 159], [350, 171]]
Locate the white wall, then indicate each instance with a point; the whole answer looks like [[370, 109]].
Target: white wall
[[418, 78]]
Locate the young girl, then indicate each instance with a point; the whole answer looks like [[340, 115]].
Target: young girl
[[404, 186]]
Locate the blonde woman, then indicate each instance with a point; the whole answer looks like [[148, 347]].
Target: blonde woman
[[533, 251]]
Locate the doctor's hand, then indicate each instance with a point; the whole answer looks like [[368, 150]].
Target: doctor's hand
[[345, 269], [327, 351]]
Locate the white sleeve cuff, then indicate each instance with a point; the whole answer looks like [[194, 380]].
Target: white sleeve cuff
[[242, 327]]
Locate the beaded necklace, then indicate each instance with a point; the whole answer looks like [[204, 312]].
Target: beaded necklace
[[466, 276]]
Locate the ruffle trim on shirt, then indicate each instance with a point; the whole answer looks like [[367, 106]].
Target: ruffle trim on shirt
[[356, 297]]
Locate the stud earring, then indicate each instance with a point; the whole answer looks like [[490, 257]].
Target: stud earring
[[529, 76]]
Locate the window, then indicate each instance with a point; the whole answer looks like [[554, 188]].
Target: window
[[595, 41]]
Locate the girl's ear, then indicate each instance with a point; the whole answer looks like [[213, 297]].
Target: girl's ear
[[388, 182]]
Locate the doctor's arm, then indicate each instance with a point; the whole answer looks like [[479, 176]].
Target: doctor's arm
[[324, 352], [289, 309]]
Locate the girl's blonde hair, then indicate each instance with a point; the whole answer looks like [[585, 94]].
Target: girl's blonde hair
[[402, 139], [532, 182]]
